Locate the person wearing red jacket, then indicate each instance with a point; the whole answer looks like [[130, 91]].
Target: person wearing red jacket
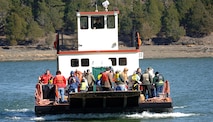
[[60, 82], [45, 77]]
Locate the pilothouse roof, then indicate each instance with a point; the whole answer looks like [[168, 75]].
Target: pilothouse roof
[[98, 13]]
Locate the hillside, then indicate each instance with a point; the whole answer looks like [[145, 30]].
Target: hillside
[[185, 48]]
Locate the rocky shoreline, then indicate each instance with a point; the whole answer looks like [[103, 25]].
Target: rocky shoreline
[[178, 51], [150, 51]]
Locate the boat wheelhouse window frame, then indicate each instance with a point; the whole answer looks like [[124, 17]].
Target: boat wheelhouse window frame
[[114, 61], [74, 62], [96, 18], [111, 21], [122, 61], [84, 62], [84, 22]]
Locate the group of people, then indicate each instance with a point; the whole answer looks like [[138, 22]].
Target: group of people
[[149, 83], [77, 82]]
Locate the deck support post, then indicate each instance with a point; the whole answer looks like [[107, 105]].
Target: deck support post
[[104, 102], [83, 102], [125, 101]]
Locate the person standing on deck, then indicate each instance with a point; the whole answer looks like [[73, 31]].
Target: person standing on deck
[[146, 82], [139, 73], [124, 76], [60, 82], [79, 74], [158, 80], [120, 85], [90, 79], [106, 80], [135, 79], [152, 75], [45, 77], [73, 83], [84, 85]]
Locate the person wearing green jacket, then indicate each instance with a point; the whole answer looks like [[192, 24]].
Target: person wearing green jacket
[[158, 80]]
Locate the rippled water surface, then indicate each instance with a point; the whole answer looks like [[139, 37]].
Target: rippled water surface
[[191, 89]]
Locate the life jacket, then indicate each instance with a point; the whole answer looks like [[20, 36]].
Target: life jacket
[[59, 81], [45, 78], [160, 80], [134, 77], [166, 88], [139, 39], [83, 86], [104, 77], [117, 77], [99, 76]]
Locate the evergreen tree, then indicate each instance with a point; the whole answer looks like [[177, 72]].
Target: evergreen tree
[[49, 14], [125, 18], [125, 25], [209, 7], [34, 31], [4, 9], [16, 27], [183, 7], [171, 27], [43, 18], [153, 13], [199, 23]]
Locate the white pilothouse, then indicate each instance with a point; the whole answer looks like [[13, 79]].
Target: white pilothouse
[[97, 45]]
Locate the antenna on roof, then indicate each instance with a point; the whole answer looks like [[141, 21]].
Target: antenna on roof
[[96, 6], [105, 5]]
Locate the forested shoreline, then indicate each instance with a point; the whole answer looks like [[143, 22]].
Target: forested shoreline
[[27, 21]]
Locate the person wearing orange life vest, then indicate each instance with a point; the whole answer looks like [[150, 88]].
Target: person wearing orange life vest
[[60, 81], [45, 77]]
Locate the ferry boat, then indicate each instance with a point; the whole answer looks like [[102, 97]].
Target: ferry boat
[[97, 48]]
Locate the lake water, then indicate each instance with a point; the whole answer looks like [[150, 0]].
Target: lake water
[[191, 89]]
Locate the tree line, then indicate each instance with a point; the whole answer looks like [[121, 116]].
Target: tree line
[[24, 20]]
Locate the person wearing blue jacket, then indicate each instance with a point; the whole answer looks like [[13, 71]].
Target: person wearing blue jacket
[[73, 83]]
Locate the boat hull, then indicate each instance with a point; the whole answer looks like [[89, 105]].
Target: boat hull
[[65, 109], [104, 102]]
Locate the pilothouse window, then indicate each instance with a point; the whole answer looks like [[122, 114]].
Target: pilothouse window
[[113, 61], [84, 22], [97, 22], [84, 62], [122, 61], [74, 62], [110, 21]]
